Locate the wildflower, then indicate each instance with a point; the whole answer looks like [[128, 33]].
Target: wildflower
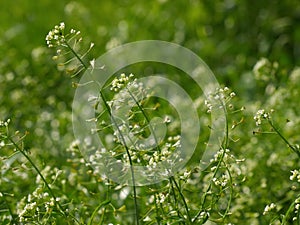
[[56, 36], [269, 208], [161, 198], [204, 215], [219, 99], [2, 144], [119, 83], [4, 123], [208, 105], [147, 219], [262, 114], [222, 181], [185, 175], [232, 94], [295, 175]]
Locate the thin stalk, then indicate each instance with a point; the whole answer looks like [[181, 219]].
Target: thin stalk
[[9, 208], [102, 204], [76, 55], [285, 217], [224, 147], [171, 179], [129, 158], [156, 210], [146, 117], [182, 198], [158, 148], [231, 194], [284, 139], [121, 135], [208, 188], [226, 138], [40, 174], [175, 198]]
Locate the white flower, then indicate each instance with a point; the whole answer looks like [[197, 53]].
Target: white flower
[[119, 83], [269, 208], [295, 175], [147, 219], [262, 114]]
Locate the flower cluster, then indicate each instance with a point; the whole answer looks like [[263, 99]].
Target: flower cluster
[[161, 197], [269, 208], [221, 181], [262, 115], [222, 154], [219, 98], [69, 56], [119, 83], [4, 123], [56, 36], [297, 207], [36, 203], [204, 215], [166, 151], [295, 175]]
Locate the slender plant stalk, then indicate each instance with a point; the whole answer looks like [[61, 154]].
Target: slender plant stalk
[[182, 198], [231, 193], [146, 117], [121, 135], [40, 174], [102, 204], [174, 196], [76, 55], [171, 179], [13, 217], [129, 157], [225, 145], [289, 211], [284, 139], [226, 138]]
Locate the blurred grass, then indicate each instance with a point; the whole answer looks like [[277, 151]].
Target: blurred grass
[[229, 36]]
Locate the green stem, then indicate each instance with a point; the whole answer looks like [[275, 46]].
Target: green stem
[[9, 208], [171, 179], [121, 135], [76, 55], [208, 188], [224, 147], [175, 198], [129, 158], [40, 174], [226, 138], [289, 211], [284, 139], [146, 117], [97, 209], [231, 194], [182, 198], [152, 132]]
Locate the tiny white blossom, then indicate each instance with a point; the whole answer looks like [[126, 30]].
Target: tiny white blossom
[[260, 115], [269, 208], [295, 175]]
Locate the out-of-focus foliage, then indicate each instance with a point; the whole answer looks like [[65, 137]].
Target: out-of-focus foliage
[[230, 36]]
